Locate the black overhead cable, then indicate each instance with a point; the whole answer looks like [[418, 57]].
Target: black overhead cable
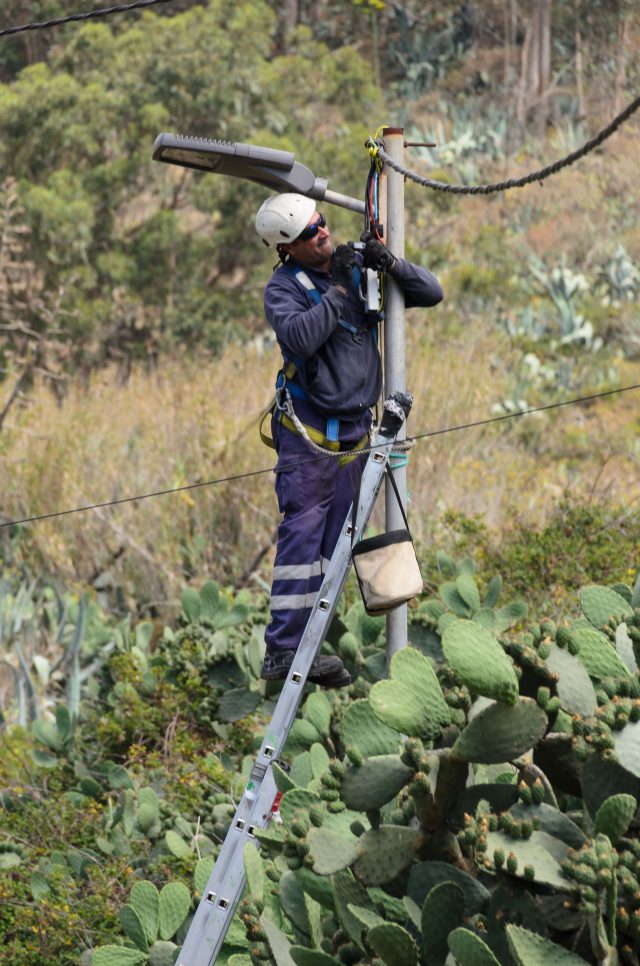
[[102, 12], [533, 176], [314, 459]]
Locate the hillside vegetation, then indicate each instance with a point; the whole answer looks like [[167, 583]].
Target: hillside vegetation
[[135, 361]]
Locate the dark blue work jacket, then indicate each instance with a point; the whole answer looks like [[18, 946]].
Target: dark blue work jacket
[[339, 370]]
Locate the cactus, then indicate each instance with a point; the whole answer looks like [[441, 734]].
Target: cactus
[[575, 690], [361, 728], [330, 852], [384, 852], [600, 604], [443, 911], [470, 950], [147, 915], [541, 852], [118, 956], [163, 953], [596, 652], [627, 748], [376, 782], [411, 700], [145, 899], [175, 900], [614, 816], [501, 732], [393, 944], [312, 957], [530, 949], [255, 872], [480, 661]]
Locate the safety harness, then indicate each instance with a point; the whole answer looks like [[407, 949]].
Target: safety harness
[[286, 388]]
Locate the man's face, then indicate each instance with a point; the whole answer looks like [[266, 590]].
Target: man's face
[[315, 252]]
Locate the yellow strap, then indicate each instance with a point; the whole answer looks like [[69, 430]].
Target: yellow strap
[[316, 435], [330, 445], [266, 439]]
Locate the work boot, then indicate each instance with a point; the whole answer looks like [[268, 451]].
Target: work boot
[[327, 670]]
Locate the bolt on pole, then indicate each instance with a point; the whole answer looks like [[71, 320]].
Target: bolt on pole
[[394, 355]]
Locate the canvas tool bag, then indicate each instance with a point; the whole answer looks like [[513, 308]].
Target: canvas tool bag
[[386, 565]]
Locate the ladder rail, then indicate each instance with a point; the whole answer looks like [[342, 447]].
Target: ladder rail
[[224, 888]]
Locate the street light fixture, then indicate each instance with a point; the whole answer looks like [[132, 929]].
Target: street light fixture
[[276, 170]]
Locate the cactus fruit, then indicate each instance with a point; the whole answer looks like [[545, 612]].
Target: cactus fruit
[[540, 850], [297, 800], [480, 661], [501, 732], [376, 782], [411, 701], [552, 821]]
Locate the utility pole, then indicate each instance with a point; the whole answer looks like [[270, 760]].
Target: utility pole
[[394, 356]]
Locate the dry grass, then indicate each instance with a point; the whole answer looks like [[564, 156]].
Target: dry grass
[[190, 423]]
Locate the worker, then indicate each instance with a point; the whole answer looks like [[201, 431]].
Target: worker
[[332, 376]]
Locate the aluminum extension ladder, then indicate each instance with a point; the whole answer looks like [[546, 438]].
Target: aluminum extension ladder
[[225, 886]]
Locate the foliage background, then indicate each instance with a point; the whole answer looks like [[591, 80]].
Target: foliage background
[[134, 353]]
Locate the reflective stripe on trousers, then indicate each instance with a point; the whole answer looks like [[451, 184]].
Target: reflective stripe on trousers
[[314, 496]]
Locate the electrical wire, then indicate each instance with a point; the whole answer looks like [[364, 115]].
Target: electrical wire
[[90, 15], [314, 459]]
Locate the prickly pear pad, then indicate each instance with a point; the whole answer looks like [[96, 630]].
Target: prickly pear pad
[[501, 733], [599, 604], [469, 949], [361, 728], [411, 701], [529, 949], [598, 655], [479, 660]]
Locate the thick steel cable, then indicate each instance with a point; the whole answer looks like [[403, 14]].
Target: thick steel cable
[[487, 189], [103, 12], [315, 459]]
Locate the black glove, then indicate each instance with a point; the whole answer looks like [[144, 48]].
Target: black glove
[[342, 264], [376, 255]]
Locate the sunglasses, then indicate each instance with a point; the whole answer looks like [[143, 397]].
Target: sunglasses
[[312, 230]]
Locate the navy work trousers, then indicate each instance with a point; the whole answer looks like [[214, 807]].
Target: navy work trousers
[[314, 496]]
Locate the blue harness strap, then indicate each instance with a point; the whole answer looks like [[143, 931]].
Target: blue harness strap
[[333, 424]]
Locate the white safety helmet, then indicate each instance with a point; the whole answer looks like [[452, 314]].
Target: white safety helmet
[[282, 217]]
